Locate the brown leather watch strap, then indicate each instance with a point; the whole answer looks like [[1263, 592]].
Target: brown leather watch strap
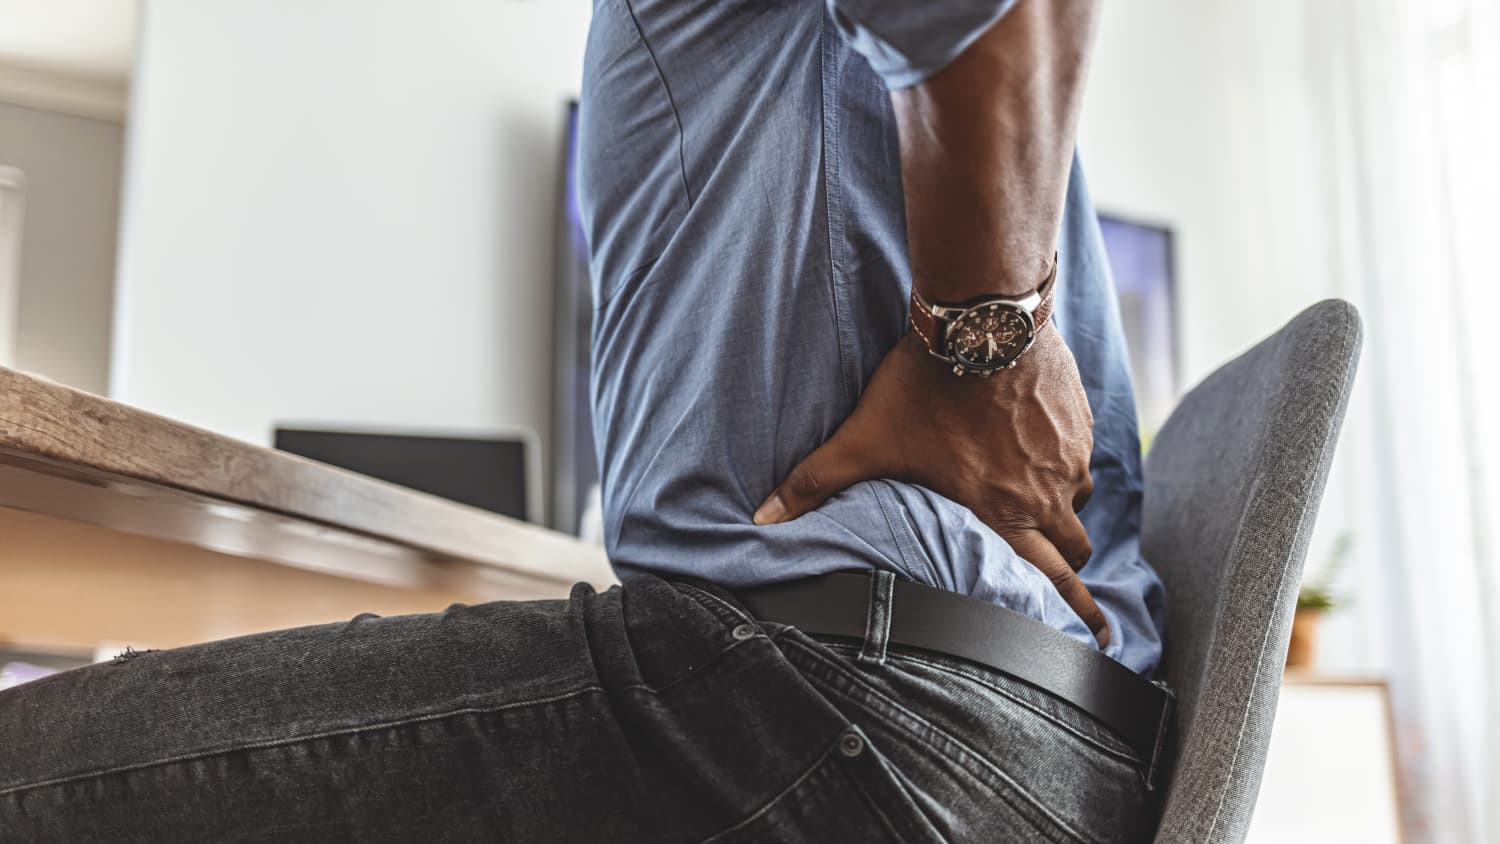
[[927, 326], [930, 329], [1043, 311]]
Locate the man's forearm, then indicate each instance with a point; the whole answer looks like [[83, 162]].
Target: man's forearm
[[986, 147]]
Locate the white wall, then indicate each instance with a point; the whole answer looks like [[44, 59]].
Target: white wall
[[1186, 105], [1202, 114], [383, 173], [72, 170], [342, 212], [12, 201]]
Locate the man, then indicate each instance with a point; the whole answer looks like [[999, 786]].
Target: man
[[773, 192]]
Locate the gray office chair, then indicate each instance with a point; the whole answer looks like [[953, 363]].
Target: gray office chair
[[1233, 482]]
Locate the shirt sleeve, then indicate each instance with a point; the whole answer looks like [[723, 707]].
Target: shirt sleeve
[[907, 41]]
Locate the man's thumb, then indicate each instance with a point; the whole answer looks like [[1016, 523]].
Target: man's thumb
[[833, 467]]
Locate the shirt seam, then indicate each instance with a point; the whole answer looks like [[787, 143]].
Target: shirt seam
[[209, 753], [833, 206], [905, 542], [667, 90]]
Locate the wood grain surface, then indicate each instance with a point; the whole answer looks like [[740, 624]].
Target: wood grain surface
[[75, 587], [78, 456]]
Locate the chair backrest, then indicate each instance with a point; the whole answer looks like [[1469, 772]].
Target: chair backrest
[[1233, 482]]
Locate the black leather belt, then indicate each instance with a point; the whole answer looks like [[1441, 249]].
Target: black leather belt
[[837, 604]]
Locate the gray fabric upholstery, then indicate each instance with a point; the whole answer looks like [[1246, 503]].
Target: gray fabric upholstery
[[1233, 482]]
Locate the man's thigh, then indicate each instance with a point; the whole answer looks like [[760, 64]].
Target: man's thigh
[[655, 712], [634, 714]]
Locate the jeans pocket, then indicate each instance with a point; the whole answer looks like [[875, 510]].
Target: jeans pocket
[[986, 758], [851, 793]]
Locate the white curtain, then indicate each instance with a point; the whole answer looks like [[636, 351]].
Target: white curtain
[[1406, 94]]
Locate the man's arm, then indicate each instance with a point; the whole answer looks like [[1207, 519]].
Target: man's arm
[[986, 145]]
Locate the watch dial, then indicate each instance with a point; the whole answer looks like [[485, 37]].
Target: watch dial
[[989, 337]]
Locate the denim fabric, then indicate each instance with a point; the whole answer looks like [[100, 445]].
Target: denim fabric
[[652, 712], [740, 184]]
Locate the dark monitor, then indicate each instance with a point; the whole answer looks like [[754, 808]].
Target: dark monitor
[[575, 470], [486, 473], [1142, 262]]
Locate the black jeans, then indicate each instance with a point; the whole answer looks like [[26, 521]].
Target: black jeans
[[655, 711]]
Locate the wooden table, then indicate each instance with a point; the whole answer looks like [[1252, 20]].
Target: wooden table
[[118, 525]]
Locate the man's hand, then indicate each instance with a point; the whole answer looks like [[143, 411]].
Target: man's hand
[[986, 148], [1014, 448]]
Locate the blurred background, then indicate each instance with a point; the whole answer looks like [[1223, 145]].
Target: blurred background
[[344, 228]]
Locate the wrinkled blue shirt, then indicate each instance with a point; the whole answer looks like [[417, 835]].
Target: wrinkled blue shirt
[[740, 186]]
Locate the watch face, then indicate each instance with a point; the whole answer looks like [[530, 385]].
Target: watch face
[[989, 337]]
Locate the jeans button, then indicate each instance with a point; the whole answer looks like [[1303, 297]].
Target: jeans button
[[743, 632], [851, 744]]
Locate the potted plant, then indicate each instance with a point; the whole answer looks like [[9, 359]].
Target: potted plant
[[1315, 598]]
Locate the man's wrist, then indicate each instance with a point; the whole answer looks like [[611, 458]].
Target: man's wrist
[[987, 334], [1012, 277]]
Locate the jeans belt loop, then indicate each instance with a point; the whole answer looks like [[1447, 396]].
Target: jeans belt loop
[[878, 618]]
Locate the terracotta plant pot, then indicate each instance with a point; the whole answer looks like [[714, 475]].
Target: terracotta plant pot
[[1303, 647]]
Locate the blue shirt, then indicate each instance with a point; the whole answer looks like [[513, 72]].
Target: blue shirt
[[740, 185]]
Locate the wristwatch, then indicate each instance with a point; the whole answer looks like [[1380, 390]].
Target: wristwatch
[[984, 335]]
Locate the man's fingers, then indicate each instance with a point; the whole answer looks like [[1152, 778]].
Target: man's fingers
[[1035, 549], [1070, 540], [1082, 496], [834, 466]]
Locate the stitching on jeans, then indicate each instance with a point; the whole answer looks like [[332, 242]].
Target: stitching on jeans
[[938, 740], [915, 823], [1039, 711], [817, 763], [1013, 793], [261, 745], [716, 599], [698, 670]]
